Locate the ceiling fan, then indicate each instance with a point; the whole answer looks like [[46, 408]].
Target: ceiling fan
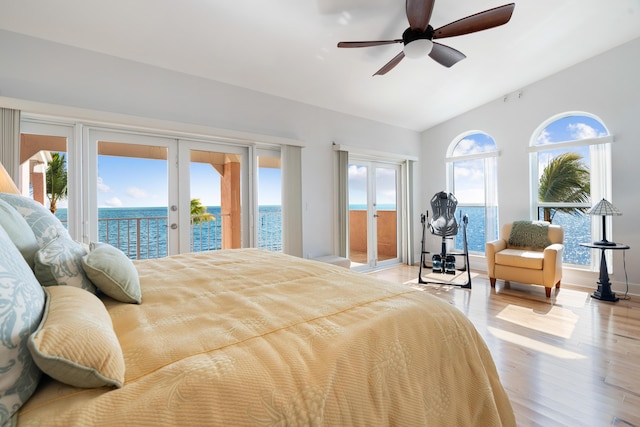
[[418, 38]]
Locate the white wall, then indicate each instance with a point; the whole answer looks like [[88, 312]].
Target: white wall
[[609, 87], [50, 73]]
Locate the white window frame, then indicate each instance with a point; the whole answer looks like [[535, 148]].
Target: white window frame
[[490, 180], [600, 173]]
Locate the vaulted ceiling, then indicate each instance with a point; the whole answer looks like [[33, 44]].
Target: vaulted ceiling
[[288, 48]]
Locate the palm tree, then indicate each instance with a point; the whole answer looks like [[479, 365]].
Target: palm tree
[[199, 212], [565, 179], [56, 180]]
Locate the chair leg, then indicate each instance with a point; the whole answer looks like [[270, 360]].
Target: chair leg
[[548, 292], [558, 285], [492, 280]]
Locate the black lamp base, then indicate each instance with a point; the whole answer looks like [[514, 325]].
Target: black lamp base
[[604, 294]]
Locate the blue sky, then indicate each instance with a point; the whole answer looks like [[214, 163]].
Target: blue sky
[[385, 185], [469, 175], [132, 182]]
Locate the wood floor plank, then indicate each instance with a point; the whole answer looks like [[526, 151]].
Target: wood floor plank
[[568, 360]]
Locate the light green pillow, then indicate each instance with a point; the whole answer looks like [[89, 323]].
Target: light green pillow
[[59, 262], [21, 307], [75, 342], [112, 272], [19, 231]]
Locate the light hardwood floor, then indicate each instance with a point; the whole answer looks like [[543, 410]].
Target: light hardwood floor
[[569, 360]]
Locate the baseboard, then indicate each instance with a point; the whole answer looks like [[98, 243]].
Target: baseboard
[[578, 277]]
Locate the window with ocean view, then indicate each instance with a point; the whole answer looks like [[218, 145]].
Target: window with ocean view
[[571, 167], [471, 165]]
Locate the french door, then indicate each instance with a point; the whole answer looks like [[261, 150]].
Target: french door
[[154, 196], [374, 217]]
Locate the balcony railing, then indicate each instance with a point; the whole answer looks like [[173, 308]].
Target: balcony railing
[[146, 237]]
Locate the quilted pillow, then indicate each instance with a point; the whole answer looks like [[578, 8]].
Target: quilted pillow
[[21, 305], [75, 342], [112, 272], [60, 263], [44, 225], [530, 234], [19, 231]]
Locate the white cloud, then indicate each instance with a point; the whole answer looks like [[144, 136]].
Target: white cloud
[[136, 193], [582, 131], [102, 187], [543, 138], [113, 202], [467, 146]]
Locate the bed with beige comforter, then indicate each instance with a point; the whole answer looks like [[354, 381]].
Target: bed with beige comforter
[[251, 338]]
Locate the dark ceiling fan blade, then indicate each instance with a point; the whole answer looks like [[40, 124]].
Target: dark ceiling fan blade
[[445, 55], [389, 65], [419, 14], [478, 22], [369, 43]]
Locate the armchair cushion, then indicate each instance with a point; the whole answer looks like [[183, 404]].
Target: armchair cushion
[[520, 258]]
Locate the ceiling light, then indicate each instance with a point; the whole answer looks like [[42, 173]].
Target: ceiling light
[[418, 48]]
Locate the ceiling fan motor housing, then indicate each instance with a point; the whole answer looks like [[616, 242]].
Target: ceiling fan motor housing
[[410, 35]]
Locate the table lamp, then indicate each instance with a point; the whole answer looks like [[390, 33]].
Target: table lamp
[[6, 183], [604, 208]]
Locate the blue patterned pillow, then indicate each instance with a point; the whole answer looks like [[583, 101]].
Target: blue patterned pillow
[[43, 223], [60, 263], [19, 231], [21, 307]]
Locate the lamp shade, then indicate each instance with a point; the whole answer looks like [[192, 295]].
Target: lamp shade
[[6, 183], [604, 207]]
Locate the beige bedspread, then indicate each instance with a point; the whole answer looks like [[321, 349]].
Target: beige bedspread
[[247, 337]]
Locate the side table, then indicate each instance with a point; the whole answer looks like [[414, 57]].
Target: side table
[[604, 286]]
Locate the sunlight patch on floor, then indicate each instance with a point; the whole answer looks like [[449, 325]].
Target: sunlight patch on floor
[[534, 345], [556, 320]]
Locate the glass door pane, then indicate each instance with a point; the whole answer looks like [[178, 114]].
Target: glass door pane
[[358, 215], [47, 164], [132, 198], [205, 172], [212, 197], [269, 225], [385, 215]]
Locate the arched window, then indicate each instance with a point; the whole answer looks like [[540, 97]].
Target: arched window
[[579, 144], [472, 178]]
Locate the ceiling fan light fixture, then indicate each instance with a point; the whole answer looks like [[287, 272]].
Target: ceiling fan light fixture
[[418, 48]]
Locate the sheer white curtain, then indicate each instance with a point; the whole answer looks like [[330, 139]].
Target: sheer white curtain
[[491, 197], [342, 172], [292, 200]]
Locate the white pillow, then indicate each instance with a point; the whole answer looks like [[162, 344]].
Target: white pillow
[[112, 272]]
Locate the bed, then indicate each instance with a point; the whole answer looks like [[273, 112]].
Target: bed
[[240, 337]]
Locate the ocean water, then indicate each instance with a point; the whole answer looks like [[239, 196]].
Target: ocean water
[[577, 229], [152, 235], [142, 232]]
